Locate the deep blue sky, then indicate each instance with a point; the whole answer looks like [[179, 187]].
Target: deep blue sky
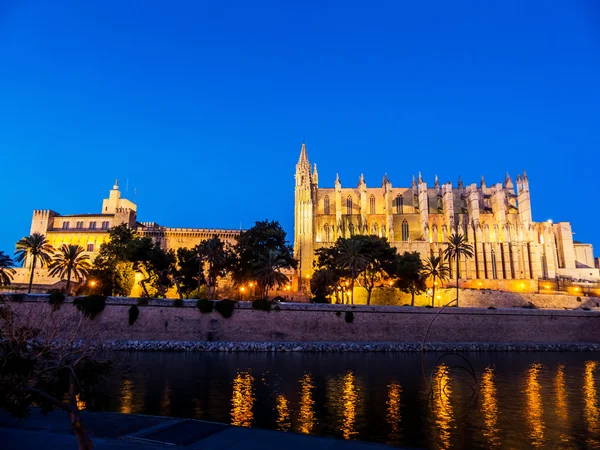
[[202, 106]]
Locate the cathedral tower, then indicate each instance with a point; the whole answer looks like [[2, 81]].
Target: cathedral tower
[[304, 212]]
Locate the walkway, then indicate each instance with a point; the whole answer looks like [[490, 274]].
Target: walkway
[[131, 431]]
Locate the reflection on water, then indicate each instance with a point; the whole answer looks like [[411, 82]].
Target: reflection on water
[[534, 407], [283, 413], [442, 406], [393, 415], [306, 416], [375, 397], [81, 405], [489, 408], [242, 400], [591, 402]]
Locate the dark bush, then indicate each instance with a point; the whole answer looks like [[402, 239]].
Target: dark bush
[[349, 317], [279, 298], [56, 298], [586, 308], [134, 312], [578, 299], [225, 307], [320, 299], [143, 301], [204, 305], [91, 305], [491, 307], [530, 305], [17, 298], [178, 303], [262, 304]]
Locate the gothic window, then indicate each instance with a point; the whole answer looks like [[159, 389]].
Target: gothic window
[[349, 205], [90, 247], [92, 225], [326, 232], [494, 270], [399, 204], [405, 230], [105, 225], [372, 204], [327, 207], [79, 225], [65, 225]]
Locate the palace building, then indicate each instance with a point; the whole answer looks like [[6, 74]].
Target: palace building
[[511, 250], [90, 231]]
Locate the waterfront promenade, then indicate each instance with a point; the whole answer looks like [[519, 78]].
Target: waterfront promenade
[[132, 431]]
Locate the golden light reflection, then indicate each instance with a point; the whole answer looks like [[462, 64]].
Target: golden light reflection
[[242, 400], [591, 403], [126, 396], [165, 402], [560, 405], [81, 405], [534, 410], [283, 413], [393, 415], [442, 406], [306, 413], [489, 408], [349, 400]]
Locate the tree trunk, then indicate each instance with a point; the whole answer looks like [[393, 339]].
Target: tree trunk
[[83, 440], [200, 278], [369, 289], [412, 299], [31, 276], [68, 280], [433, 294], [352, 287], [457, 276]]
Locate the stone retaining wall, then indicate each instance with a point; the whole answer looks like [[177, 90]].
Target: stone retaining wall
[[309, 323]]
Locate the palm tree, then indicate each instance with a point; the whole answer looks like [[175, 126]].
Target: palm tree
[[212, 252], [352, 259], [458, 247], [35, 247], [435, 268], [266, 270], [6, 269], [70, 260]]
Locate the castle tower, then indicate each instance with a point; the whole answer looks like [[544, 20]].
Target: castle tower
[[304, 212]]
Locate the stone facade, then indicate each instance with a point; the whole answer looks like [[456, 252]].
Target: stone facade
[[90, 231], [497, 220]]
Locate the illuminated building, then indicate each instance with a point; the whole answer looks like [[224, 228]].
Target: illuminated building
[[496, 219]]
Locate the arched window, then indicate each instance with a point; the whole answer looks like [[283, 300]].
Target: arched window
[[372, 204], [405, 230], [349, 205], [351, 228], [326, 202], [399, 204], [326, 232], [494, 270]]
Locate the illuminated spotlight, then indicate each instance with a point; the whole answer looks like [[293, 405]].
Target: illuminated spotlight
[[92, 283], [251, 284], [438, 297], [522, 285], [576, 289], [242, 289], [547, 287], [480, 283]]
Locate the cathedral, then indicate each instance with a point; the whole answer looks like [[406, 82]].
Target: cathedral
[[512, 252]]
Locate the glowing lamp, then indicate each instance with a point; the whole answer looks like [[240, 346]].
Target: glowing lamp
[[242, 289], [92, 283]]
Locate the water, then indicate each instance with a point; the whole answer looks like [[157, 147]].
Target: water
[[515, 401]]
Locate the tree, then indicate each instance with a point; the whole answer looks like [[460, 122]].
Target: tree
[[218, 259], [458, 247], [436, 269], [188, 275], [323, 282], [50, 360], [329, 275], [35, 247], [410, 278], [380, 262], [264, 236], [6, 269], [70, 260], [267, 270], [352, 258]]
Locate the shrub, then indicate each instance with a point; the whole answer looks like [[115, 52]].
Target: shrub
[[56, 298], [178, 303], [225, 307], [320, 299], [262, 304], [143, 301], [427, 306], [204, 305], [17, 298], [578, 299], [91, 305], [530, 305], [491, 307], [134, 312], [349, 317], [586, 308]]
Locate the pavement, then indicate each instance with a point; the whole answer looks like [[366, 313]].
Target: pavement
[[133, 431]]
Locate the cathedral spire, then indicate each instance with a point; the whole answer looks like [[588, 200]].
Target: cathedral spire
[[508, 184], [414, 183], [420, 178], [303, 156], [460, 182], [482, 185], [437, 182]]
